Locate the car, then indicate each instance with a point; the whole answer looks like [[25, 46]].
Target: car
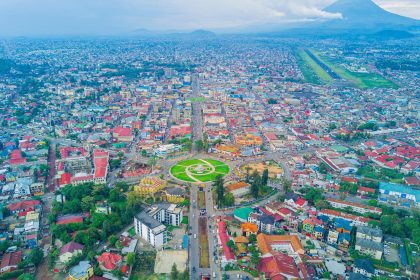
[[193, 269], [195, 235]]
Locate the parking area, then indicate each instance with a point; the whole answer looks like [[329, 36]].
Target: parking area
[[176, 238], [391, 253]]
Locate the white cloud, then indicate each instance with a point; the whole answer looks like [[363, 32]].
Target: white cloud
[[28, 17]]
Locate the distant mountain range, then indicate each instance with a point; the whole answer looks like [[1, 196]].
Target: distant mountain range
[[365, 14], [359, 18]]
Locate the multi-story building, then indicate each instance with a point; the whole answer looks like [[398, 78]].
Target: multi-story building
[[355, 207], [150, 224]]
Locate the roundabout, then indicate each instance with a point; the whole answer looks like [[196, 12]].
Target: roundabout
[[199, 170]]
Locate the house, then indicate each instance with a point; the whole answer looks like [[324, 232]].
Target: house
[[123, 134], [295, 201], [248, 229], [332, 237], [364, 267], [10, 261], [70, 250], [269, 244], [82, 271], [369, 233], [174, 195], [264, 222], [309, 224], [279, 266], [109, 261], [369, 247], [149, 186], [238, 189], [228, 256], [355, 207], [22, 206]]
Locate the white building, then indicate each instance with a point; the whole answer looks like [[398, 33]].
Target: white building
[[150, 230]]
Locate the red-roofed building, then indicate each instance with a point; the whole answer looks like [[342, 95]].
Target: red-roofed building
[[224, 238], [16, 158], [109, 261], [10, 262], [279, 266], [25, 205], [65, 179], [123, 134], [70, 219]]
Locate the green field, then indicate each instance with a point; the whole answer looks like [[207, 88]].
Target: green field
[[199, 170], [197, 99], [311, 71], [177, 169], [360, 80]]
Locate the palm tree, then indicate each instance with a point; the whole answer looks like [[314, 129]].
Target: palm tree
[[152, 162]]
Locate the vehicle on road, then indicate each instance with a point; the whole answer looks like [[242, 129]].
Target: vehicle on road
[[195, 236]]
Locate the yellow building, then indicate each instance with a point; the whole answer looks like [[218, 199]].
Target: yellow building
[[149, 186], [248, 140], [174, 195], [82, 271]]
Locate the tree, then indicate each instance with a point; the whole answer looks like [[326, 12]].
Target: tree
[[131, 258], [185, 275], [231, 244], [252, 238], [87, 203], [205, 142], [152, 162], [287, 185], [264, 178], [199, 145], [174, 272], [112, 240], [229, 199], [220, 190], [36, 255]]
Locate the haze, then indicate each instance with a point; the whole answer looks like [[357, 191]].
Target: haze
[[112, 17]]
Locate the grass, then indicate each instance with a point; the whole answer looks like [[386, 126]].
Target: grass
[[145, 276], [206, 178], [183, 177], [197, 99], [132, 232], [312, 72], [177, 169], [360, 80], [222, 169]]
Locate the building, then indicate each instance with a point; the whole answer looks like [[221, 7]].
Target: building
[[238, 189], [401, 192], [68, 251], [270, 244], [109, 261], [355, 207], [82, 271], [364, 267], [248, 229], [150, 186], [279, 266], [174, 195], [368, 233], [150, 224], [370, 248], [10, 261], [150, 230], [264, 222]]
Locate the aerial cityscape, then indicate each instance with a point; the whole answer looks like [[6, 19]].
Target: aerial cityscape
[[260, 151]]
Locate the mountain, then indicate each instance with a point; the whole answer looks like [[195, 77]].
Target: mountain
[[365, 14]]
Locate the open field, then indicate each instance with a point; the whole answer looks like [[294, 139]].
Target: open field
[[360, 80], [204, 244], [199, 170], [312, 72]]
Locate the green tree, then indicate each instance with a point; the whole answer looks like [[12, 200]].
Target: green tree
[[229, 199], [231, 244], [264, 178], [199, 145], [185, 275], [220, 190], [36, 255], [131, 258], [174, 272]]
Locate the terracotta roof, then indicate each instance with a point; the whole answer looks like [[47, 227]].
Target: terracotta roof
[[109, 260], [12, 259], [23, 205], [265, 242], [278, 266]]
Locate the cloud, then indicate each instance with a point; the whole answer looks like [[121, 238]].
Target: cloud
[[34, 17]]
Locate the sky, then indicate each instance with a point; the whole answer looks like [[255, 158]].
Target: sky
[[112, 17]]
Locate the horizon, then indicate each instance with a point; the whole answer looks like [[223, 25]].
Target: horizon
[[114, 18]]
